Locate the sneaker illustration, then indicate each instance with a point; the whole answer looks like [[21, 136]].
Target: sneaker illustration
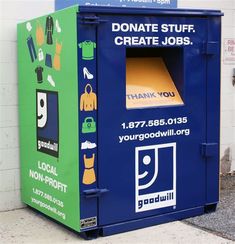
[[88, 145]]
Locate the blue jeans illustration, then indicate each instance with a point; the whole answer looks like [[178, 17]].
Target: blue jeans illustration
[[31, 47], [48, 61]]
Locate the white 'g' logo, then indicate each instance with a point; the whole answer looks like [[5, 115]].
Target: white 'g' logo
[[41, 109]]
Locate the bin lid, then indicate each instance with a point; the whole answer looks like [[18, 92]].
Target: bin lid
[[148, 11]]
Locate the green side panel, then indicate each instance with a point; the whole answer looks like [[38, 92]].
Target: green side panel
[[48, 113]]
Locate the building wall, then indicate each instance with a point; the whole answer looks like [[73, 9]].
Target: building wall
[[227, 134], [13, 12]]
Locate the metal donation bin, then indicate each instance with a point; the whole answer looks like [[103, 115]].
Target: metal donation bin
[[120, 115]]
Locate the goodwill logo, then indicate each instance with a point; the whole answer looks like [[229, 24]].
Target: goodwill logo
[[155, 177], [47, 122]]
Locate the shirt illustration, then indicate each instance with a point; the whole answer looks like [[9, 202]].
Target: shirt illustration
[[87, 49], [39, 71]]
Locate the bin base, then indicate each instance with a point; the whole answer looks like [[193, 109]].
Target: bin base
[[90, 234], [150, 221], [210, 208]]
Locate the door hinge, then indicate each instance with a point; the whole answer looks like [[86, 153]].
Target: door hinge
[[209, 149], [94, 192], [91, 20], [211, 48]]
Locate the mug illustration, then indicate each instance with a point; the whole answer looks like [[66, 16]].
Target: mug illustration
[[155, 188], [47, 122]]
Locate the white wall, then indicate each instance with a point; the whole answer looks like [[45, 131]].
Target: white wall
[[13, 12], [227, 148]]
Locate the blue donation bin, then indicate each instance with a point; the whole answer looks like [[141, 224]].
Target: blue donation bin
[[148, 116]]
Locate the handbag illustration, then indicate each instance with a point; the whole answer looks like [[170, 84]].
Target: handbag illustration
[[56, 60], [39, 34], [89, 125]]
